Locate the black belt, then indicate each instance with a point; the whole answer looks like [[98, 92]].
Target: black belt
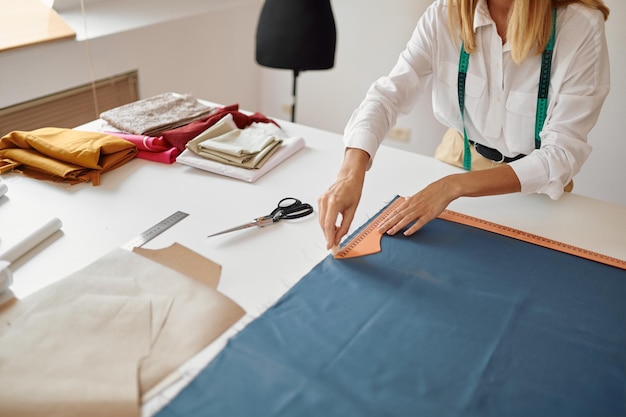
[[494, 154]]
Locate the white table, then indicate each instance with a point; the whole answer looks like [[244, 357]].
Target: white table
[[258, 265]]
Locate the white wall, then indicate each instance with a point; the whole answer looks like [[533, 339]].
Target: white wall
[[372, 33], [604, 174]]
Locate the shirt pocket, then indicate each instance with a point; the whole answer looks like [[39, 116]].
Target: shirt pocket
[[519, 123], [476, 103], [446, 97]]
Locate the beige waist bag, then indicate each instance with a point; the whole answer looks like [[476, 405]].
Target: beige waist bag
[[450, 151]]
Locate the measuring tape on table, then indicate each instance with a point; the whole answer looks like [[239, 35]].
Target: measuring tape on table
[[367, 240], [154, 231]]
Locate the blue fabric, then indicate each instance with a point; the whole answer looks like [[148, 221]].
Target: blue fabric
[[451, 321]]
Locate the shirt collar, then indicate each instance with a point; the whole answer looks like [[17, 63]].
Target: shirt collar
[[483, 18], [481, 15]]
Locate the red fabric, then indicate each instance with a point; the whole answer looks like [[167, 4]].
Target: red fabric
[[166, 157], [151, 148], [144, 143], [180, 136]]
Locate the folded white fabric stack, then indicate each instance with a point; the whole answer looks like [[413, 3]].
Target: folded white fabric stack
[[225, 149], [224, 142]]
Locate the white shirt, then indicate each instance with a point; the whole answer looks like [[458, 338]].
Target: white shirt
[[501, 96]]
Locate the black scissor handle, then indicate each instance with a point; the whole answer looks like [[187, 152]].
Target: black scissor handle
[[291, 208]]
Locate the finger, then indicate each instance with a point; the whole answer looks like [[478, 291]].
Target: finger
[[420, 222], [388, 223], [329, 224], [397, 220], [330, 231], [321, 211], [401, 222], [344, 227]]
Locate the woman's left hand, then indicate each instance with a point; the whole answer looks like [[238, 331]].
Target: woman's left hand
[[420, 208], [427, 204]]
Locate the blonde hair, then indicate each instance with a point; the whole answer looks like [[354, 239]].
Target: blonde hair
[[530, 23]]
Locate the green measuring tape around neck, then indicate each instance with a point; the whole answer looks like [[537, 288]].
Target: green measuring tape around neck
[[544, 83], [542, 93]]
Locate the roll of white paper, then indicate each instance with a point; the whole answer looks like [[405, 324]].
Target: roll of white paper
[[29, 242], [6, 277], [3, 188]]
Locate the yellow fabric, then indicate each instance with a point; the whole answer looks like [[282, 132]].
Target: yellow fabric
[[450, 151], [67, 155]]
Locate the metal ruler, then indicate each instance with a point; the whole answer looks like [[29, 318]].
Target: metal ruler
[[154, 231]]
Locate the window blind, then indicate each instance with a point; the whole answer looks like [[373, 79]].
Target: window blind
[[72, 107]]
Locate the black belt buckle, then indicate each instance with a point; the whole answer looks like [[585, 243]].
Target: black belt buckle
[[489, 153], [493, 154]]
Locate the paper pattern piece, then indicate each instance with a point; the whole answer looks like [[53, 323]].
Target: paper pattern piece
[[452, 320], [153, 115], [39, 368], [185, 261], [172, 318]]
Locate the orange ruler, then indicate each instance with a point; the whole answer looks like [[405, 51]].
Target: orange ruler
[[367, 240]]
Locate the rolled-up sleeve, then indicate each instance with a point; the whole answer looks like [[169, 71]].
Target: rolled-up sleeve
[[579, 84]]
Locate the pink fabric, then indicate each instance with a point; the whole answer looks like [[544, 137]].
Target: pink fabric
[[151, 148]]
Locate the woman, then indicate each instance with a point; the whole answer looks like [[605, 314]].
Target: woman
[[523, 119]]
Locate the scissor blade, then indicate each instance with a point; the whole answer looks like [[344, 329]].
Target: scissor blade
[[233, 229]]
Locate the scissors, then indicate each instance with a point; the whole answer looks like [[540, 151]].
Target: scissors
[[287, 208]]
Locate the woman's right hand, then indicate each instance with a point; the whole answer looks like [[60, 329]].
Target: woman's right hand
[[342, 198]]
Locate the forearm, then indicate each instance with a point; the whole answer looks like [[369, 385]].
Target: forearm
[[354, 164], [500, 180], [342, 198]]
